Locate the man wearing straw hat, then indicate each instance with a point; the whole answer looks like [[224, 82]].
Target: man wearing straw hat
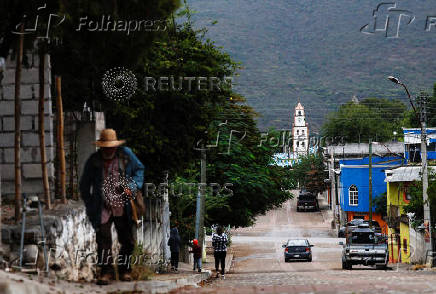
[[105, 169]]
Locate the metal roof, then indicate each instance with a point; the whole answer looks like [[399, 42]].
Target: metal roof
[[362, 149], [413, 135], [405, 174]]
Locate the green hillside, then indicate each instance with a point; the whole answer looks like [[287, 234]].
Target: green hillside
[[314, 50]]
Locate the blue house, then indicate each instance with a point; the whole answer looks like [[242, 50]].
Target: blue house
[[354, 185], [412, 144]]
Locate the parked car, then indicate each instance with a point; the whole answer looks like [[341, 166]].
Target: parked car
[[307, 200], [362, 247], [298, 249], [354, 224]]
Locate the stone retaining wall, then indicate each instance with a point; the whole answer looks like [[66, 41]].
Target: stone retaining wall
[[71, 240]]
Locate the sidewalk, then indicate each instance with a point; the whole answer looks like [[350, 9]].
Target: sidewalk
[[17, 283]]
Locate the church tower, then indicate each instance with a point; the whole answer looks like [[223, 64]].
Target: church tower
[[300, 132]]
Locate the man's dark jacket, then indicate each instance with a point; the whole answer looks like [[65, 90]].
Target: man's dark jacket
[[174, 240], [92, 179]]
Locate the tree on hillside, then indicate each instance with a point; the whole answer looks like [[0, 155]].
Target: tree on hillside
[[372, 118], [257, 185], [163, 127], [310, 173]]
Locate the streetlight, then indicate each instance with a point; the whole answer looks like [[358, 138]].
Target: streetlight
[[424, 169], [397, 81]]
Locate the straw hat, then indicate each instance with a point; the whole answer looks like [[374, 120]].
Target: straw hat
[[108, 138]]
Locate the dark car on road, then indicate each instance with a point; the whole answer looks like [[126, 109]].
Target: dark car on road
[[354, 224], [307, 200], [298, 249]]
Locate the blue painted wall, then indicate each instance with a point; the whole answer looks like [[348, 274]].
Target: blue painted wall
[[352, 174], [431, 149]]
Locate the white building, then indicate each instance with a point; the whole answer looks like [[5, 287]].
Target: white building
[[300, 132]]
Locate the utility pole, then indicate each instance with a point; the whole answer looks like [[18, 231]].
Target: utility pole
[[201, 203], [333, 185], [370, 182], [424, 172], [203, 195]]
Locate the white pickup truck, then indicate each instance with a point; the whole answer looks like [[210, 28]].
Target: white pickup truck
[[363, 247]]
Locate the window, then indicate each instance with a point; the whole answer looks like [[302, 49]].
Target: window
[[302, 132], [407, 195], [299, 112], [353, 195], [298, 144], [362, 237], [405, 245], [302, 144], [298, 132], [297, 243]]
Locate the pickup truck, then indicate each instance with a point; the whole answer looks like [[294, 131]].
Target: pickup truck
[[364, 247], [307, 200]]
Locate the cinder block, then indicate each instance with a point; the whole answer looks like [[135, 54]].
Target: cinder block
[[8, 155], [7, 139], [7, 107], [32, 139], [30, 155], [9, 77], [30, 75], [7, 172], [29, 186], [26, 123], [32, 171], [48, 123], [27, 92], [31, 107], [8, 92]]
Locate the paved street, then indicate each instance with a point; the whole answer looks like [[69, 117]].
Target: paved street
[[259, 266]]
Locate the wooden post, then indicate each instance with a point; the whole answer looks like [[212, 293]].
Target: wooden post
[[71, 165], [17, 142], [60, 135], [42, 129]]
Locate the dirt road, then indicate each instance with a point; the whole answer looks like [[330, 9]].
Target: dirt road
[[259, 267]]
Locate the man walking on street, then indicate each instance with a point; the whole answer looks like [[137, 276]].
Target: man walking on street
[[115, 163], [219, 243], [174, 243]]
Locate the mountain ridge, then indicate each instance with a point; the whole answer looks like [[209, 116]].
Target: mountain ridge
[[314, 51]]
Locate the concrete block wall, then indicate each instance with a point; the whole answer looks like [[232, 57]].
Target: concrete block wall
[[30, 153]]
